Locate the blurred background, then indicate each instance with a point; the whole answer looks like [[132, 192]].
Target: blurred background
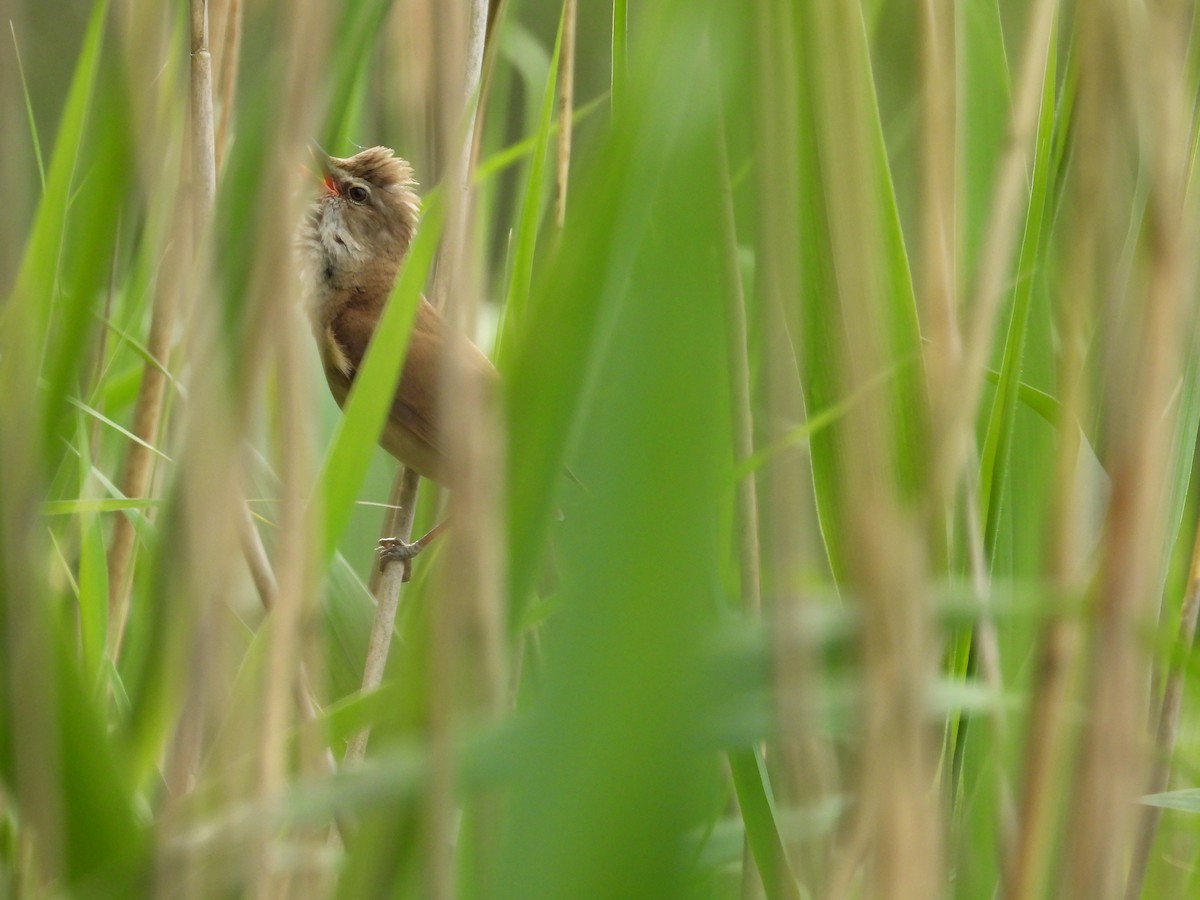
[[835, 535]]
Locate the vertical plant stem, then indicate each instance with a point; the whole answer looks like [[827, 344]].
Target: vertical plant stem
[[387, 596], [739, 376], [620, 54], [139, 463], [936, 272], [746, 518], [1140, 77], [986, 644], [889, 574], [1056, 656], [398, 501], [231, 51], [799, 764], [190, 732], [566, 104], [1167, 729], [203, 148], [257, 560], [102, 341], [387, 584], [996, 259], [275, 339], [139, 460], [467, 636]]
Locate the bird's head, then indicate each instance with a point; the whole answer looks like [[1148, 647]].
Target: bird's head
[[363, 219]]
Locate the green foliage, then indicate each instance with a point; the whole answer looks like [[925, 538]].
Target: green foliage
[[884, 679]]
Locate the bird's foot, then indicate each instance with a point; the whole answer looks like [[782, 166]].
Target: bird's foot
[[396, 550]]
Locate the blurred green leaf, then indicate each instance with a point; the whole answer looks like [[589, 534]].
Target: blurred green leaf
[[531, 208], [997, 444]]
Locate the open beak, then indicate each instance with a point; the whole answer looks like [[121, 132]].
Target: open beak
[[325, 168]]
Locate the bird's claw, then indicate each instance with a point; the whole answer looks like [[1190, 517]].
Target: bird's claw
[[396, 550]]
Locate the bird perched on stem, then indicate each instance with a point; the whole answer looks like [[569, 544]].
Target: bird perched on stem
[[351, 244]]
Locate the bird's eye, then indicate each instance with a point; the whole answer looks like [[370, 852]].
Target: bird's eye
[[358, 194]]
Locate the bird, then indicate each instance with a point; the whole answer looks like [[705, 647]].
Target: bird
[[351, 244]]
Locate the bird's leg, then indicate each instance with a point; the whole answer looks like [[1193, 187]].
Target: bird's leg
[[396, 550]]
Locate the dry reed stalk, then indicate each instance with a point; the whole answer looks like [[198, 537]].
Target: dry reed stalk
[[899, 809], [953, 372], [202, 146], [391, 525], [274, 326], [494, 20], [1172, 164], [15, 149], [411, 54], [746, 510], [156, 162], [205, 462], [1049, 728], [230, 58], [388, 590], [458, 57], [211, 461], [801, 768], [985, 643], [620, 43], [414, 17], [185, 753], [1167, 77], [387, 585], [470, 609], [138, 470], [1167, 728], [939, 245], [1140, 61], [954, 420], [415, 58], [943, 356], [566, 106]]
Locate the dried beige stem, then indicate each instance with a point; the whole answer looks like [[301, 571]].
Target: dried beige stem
[[1026, 869], [203, 153], [986, 644], [469, 612], [566, 105], [399, 499], [1000, 237], [938, 296], [143, 30], [459, 46], [1141, 68], [274, 327], [1167, 729], [147, 416], [231, 51], [888, 576], [802, 769], [387, 597]]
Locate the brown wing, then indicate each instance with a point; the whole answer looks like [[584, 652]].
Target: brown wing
[[416, 395], [416, 402], [412, 433]]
